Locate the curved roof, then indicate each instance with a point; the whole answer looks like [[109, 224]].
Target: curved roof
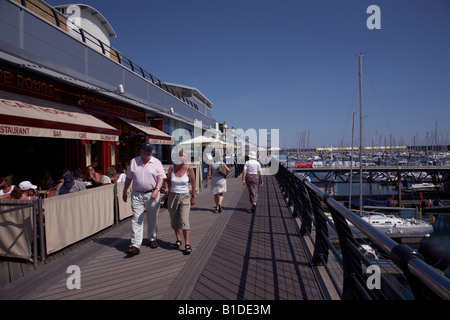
[[202, 96], [94, 12]]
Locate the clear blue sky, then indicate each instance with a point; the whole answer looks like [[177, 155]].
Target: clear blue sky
[[292, 65]]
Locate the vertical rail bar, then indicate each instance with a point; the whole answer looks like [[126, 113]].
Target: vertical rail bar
[[41, 229], [35, 243]]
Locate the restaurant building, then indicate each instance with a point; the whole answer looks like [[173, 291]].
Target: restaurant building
[[68, 99]]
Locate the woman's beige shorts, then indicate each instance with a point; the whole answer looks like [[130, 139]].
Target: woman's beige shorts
[[179, 206]]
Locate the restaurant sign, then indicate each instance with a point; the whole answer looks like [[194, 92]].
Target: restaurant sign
[[15, 130]]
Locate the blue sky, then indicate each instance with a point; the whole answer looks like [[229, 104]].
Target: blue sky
[[292, 65]]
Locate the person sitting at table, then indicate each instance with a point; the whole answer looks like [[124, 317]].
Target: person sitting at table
[[24, 191], [69, 185], [93, 177], [78, 174], [29, 191], [121, 176], [109, 176], [46, 182], [15, 194], [6, 186]]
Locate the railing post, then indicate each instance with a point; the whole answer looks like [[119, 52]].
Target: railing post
[[321, 243], [351, 265], [35, 245], [116, 204], [41, 229], [306, 210]]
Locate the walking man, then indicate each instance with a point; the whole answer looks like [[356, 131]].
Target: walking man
[[147, 174]]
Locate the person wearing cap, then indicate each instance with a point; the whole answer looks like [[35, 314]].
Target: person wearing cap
[[147, 175], [252, 178], [24, 191], [69, 185], [28, 190]]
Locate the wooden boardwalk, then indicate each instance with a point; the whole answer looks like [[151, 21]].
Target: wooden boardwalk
[[236, 255]]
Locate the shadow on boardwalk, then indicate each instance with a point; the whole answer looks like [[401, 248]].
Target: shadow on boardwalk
[[236, 255]]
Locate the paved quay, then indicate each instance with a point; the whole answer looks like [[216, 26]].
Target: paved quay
[[236, 255]]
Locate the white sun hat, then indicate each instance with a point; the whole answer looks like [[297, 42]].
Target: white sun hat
[[25, 185]]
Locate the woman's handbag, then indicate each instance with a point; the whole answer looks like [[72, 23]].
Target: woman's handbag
[[222, 171]]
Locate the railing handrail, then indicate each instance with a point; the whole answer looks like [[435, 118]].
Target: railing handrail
[[423, 271], [408, 260]]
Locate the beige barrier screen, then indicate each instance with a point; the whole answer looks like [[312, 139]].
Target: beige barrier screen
[[124, 207], [16, 229], [75, 216]]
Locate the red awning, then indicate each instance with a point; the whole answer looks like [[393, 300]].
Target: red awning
[[155, 136], [27, 116]]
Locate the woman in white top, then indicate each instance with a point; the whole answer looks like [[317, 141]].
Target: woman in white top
[[6, 187], [252, 178], [218, 181], [179, 201]]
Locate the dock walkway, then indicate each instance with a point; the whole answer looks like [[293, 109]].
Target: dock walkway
[[236, 255]]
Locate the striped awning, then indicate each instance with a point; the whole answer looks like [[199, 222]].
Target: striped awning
[[32, 117], [155, 136]]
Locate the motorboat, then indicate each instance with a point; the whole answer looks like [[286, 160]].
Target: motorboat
[[423, 187]]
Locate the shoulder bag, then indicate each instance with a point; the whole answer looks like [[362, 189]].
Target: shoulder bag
[[222, 170]]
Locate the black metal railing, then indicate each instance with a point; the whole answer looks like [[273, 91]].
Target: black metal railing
[[403, 274]]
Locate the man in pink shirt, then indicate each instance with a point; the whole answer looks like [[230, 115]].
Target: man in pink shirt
[[147, 174]]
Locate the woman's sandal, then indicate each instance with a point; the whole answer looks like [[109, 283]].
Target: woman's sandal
[[176, 245], [187, 249]]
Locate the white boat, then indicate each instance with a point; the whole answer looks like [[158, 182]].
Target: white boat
[[394, 226], [421, 187]]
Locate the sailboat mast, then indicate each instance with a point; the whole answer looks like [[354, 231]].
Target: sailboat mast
[[361, 56], [351, 165]]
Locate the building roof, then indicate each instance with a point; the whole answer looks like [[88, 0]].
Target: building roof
[[195, 92]]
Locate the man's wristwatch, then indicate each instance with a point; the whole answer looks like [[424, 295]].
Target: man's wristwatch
[[157, 189]]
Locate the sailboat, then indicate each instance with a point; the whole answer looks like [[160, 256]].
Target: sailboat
[[388, 224]]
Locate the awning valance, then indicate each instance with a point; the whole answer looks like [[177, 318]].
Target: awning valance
[[32, 117], [155, 136]]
